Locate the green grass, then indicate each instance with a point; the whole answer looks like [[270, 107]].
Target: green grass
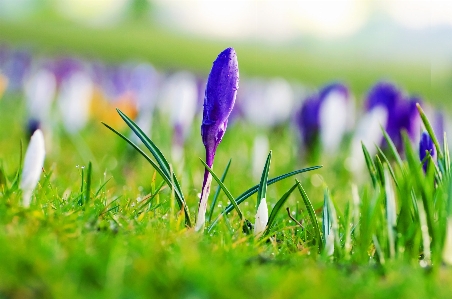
[[114, 247], [109, 245]]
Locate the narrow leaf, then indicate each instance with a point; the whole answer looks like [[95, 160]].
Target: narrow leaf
[[262, 191], [277, 208], [370, 165], [225, 190], [430, 131], [179, 196], [312, 215], [217, 192], [241, 198]]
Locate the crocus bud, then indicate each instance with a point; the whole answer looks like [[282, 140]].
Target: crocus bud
[[426, 145], [219, 99], [261, 218], [33, 163]]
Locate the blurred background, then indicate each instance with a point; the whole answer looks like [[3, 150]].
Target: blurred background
[[66, 64], [311, 41]]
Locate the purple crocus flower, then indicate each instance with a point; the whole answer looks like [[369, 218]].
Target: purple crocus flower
[[426, 145], [323, 117], [386, 95], [219, 99]]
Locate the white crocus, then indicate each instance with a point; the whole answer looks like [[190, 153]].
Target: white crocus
[[74, 101], [33, 163], [40, 91], [333, 120], [261, 218]]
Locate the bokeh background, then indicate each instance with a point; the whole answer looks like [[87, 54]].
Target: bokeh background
[[286, 50], [310, 41]]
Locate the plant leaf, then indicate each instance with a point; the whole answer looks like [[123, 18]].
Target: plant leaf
[[179, 196], [217, 192], [262, 191], [225, 190], [253, 190], [370, 165], [312, 215], [277, 208], [155, 151]]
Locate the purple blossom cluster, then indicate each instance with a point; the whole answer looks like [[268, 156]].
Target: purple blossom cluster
[[71, 91]]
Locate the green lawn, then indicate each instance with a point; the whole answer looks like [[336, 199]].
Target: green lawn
[[101, 242]]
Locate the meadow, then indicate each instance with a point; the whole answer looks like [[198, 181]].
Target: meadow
[[103, 223]]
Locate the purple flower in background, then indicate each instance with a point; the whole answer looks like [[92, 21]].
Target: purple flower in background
[[426, 145], [219, 99], [64, 67], [383, 94], [16, 69], [401, 111], [439, 126], [324, 117], [407, 118]]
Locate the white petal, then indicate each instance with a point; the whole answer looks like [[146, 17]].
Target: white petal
[[333, 120], [201, 219], [261, 218], [74, 101], [40, 91], [33, 163]]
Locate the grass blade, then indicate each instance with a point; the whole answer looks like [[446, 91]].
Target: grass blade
[[155, 151], [391, 171], [179, 196], [88, 183], [312, 215], [370, 165], [225, 190], [277, 207], [217, 192], [392, 148], [430, 131], [262, 191], [241, 198]]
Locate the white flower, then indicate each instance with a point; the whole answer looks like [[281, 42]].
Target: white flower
[[203, 204], [33, 163], [261, 218]]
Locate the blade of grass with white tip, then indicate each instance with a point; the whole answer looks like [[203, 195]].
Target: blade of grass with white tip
[[217, 192], [277, 208], [312, 215], [262, 191], [223, 187], [179, 196], [391, 213], [241, 198]]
